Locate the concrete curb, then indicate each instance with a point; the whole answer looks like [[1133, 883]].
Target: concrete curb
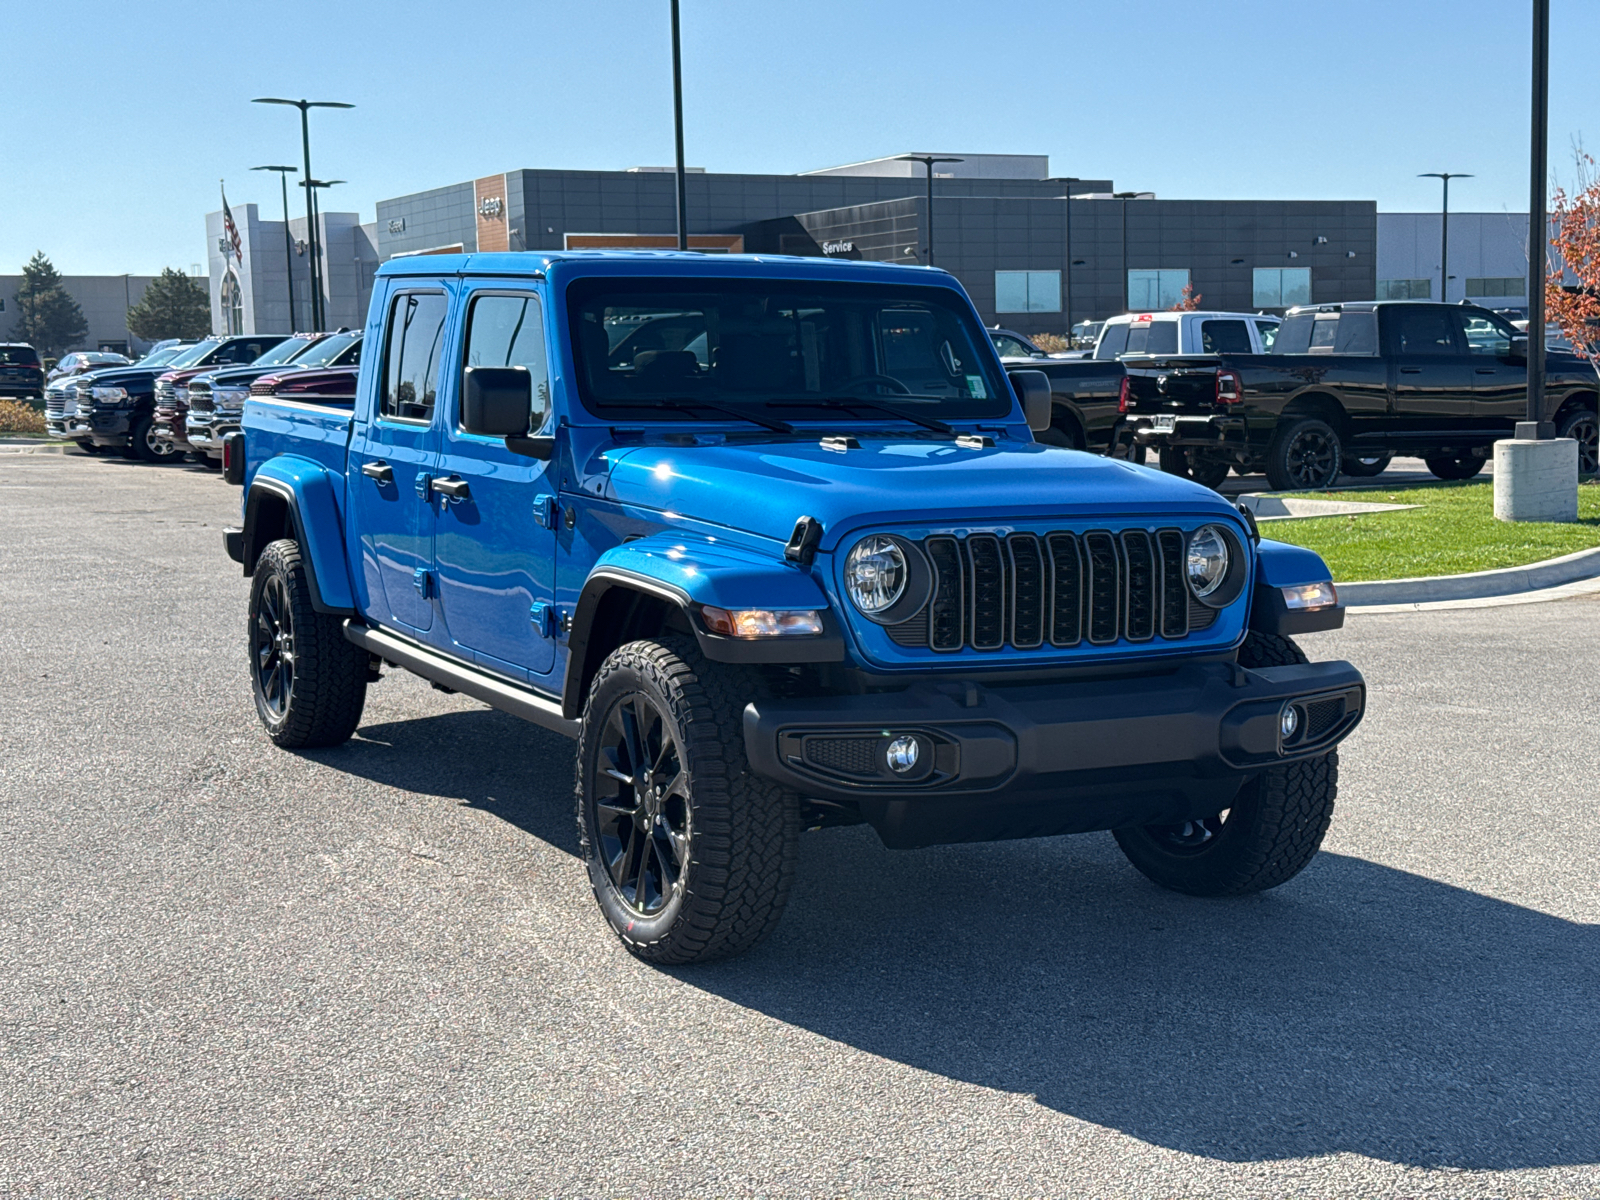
[[1477, 586], [36, 448], [1583, 587]]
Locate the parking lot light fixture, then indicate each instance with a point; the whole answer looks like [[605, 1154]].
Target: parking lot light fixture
[[928, 160], [311, 232], [288, 242], [1066, 182], [1444, 230]]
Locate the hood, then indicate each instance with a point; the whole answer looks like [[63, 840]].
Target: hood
[[116, 376], [246, 374], [763, 487]]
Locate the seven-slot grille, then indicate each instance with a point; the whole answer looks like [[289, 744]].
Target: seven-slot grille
[[1028, 591]]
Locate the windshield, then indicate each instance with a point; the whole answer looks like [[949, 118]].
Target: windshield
[[659, 347], [284, 351], [160, 358], [190, 355], [325, 351]]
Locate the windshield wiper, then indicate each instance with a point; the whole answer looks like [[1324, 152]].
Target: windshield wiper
[[688, 404], [875, 405]]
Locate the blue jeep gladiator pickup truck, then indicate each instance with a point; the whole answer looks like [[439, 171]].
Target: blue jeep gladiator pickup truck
[[772, 540]]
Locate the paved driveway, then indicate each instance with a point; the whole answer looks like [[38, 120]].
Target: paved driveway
[[376, 971]]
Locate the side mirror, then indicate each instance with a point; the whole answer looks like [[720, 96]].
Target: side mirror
[[1519, 349], [1033, 389], [497, 401]]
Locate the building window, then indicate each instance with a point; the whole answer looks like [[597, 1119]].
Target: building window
[[1280, 287], [232, 304], [1504, 285], [1149, 290], [1027, 291], [1405, 289]]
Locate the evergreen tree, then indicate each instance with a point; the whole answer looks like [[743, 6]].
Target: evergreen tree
[[173, 306], [47, 318]]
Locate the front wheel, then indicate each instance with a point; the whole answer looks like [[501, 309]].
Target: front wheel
[[690, 855], [1582, 426], [1457, 466], [148, 444], [1269, 834], [1305, 456], [309, 680]]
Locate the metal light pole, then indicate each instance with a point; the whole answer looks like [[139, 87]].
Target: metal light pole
[[1127, 299], [677, 119], [288, 242], [928, 160], [311, 232], [1066, 273], [1444, 234], [1538, 221], [312, 186]]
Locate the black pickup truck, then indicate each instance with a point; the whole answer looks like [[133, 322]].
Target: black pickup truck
[[1348, 386], [1089, 406]]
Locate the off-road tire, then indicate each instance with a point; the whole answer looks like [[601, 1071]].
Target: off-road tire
[[1582, 425], [1455, 466], [1270, 834], [1182, 461], [328, 678], [1305, 455], [1375, 464], [743, 830], [139, 446]]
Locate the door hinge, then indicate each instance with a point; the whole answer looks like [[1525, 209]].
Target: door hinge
[[423, 484], [546, 510], [543, 617], [422, 580]]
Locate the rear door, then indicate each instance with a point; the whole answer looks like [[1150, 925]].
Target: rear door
[[393, 459], [494, 544], [1432, 375], [1499, 383]]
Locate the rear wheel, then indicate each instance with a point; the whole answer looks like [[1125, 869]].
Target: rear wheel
[[1366, 466], [1305, 455], [1582, 426], [689, 853], [1460, 466], [1194, 464], [1269, 834]]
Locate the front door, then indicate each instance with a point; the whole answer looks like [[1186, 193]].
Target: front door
[[494, 541], [393, 461], [1433, 379], [1499, 382]]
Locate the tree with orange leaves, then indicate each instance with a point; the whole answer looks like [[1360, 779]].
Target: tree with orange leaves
[[1189, 302], [1574, 250]]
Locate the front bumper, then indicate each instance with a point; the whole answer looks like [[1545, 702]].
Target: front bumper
[[205, 431], [102, 426], [171, 422], [1055, 758]]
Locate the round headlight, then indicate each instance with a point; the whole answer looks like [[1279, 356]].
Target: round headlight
[[1207, 561], [875, 574]]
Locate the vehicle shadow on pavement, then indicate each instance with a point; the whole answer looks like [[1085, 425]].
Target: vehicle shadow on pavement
[[1357, 1008]]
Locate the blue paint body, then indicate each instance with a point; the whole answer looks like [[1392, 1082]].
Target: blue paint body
[[701, 507]]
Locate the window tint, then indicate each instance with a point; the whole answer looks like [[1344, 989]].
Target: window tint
[[1163, 338], [412, 348], [1138, 338], [1421, 331], [1267, 331], [1485, 335], [1358, 333], [508, 331], [1224, 337], [1294, 335], [1113, 341], [1324, 329]]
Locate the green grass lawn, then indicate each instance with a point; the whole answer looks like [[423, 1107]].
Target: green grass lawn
[[1454, 531]]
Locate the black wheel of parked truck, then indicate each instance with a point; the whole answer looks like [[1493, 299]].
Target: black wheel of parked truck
[[310, 683], [88, 447], [1366, 466], [146, 443], [690, 854], [1459, 466], [1271, 832], [1305, 455], [1581, 425], [1194, 464]]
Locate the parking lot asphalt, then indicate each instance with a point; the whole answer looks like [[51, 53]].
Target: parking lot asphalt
[[377, 971]]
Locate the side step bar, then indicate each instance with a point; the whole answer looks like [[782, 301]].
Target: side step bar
[[480, 685]]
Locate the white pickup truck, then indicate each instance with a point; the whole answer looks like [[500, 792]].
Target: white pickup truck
[[1186, 333]]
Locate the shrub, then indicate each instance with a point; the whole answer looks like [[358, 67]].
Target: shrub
[[1050, 343], [20, 418]]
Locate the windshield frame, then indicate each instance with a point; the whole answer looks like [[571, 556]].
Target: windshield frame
[[997, 406]]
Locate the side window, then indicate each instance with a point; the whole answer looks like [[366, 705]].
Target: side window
[[412, 350], [1423, 331], [1294, 335], [1358, 333], [1113, 341], [1009, 347], [1324, 332], [1268, 332], [1485, 337], [1224, 337], [508, 331], [1163, 338]]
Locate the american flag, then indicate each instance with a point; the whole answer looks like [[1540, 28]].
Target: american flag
[[231, 229]]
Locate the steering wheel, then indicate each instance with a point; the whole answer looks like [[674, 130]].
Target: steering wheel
[[888, 381]]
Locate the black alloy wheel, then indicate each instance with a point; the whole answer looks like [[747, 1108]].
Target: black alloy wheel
[[1305, 456], [643, 821], [272, 647], [1583, 427]]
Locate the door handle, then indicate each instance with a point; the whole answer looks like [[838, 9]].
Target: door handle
[[1484, 370], [455, 488], [1411, 370], [379, 470]]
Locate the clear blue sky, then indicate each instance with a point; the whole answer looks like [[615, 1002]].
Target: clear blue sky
[[120, 124]]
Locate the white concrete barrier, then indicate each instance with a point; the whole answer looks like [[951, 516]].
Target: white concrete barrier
[[1536, 480]]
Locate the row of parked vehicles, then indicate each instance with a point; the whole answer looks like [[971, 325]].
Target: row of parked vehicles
[[1325, 391], [184, 398]]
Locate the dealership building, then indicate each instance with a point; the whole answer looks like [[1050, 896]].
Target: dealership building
[[1036, 252]]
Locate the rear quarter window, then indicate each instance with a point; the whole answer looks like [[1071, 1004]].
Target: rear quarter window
[[1358, 334]]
